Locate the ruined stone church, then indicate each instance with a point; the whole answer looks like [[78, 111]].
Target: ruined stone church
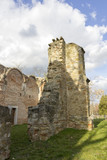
[[64, 101], [18, 92], [65, 98]]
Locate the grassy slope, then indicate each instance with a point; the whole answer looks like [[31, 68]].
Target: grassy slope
[[69, 144]]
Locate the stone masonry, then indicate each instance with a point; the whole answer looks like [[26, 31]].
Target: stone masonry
[[17, 91], [5, 125], [65, 98]]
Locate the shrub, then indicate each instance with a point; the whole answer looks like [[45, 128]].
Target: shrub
[[103, 105]]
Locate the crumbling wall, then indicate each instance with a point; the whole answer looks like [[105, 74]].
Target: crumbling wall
[[50, 116], [17, 91], [65, 98], [2, 85], [5, 125]]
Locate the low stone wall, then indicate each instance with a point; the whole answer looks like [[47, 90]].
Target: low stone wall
[[5, 125]]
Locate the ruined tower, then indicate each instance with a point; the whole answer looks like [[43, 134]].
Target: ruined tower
[[77, 88], [65, 98]]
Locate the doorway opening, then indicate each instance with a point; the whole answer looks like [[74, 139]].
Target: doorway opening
[[14, 114]]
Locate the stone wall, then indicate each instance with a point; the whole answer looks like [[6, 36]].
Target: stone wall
[[5, 125], [50, 116], [17, 91], [65, 98], [77, 88]]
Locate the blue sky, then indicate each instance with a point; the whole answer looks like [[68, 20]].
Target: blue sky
[[97, 7], [86, 7], [89, 6], [27, 26]]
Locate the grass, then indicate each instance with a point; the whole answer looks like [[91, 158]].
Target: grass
[[70, 144], [97, 121]]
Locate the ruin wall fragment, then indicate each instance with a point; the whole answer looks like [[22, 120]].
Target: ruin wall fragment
[[78, 107], [65, 98], [5, 126], [17, 91]]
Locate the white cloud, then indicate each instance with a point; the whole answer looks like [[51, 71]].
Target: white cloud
[[29, 32], [100, 82], [25, 33], [93, 14]]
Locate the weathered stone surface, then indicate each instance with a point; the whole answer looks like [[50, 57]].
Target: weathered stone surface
[[17, 91], [78, 108], [5, 125], [65, 98]]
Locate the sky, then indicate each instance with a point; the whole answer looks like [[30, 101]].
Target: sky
[[28, 26]]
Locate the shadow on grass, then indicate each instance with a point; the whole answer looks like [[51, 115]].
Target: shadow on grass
[[70, 144], [97, 121]]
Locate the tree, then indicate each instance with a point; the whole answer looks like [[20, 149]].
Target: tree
[[40, 71], [19, 66], [103, 105], [95, 95]]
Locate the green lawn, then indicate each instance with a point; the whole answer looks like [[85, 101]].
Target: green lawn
[[70, 144]]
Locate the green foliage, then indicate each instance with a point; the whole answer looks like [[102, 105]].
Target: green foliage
[[97, 121], [103, 105], [70, 144]]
